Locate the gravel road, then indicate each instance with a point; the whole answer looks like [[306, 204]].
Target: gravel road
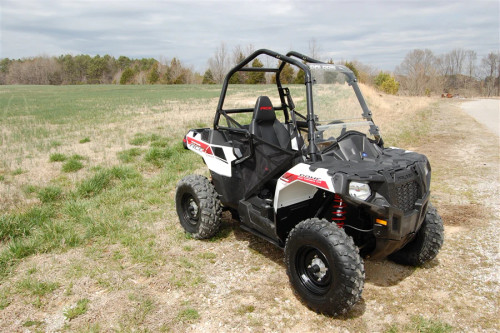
[[486, 111]]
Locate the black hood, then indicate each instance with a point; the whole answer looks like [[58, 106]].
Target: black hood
[[355, 157]]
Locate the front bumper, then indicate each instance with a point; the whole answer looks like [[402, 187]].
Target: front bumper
[[401, 226]]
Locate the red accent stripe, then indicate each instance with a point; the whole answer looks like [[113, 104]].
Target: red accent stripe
[[204, 147], [289, 177]]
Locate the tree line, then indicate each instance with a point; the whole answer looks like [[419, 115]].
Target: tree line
[[84, 69], [421, 72], [459, 71]]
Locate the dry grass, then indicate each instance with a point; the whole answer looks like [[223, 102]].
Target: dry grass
[[136, 270]]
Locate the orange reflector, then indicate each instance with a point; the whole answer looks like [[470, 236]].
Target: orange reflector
[[379, 221]]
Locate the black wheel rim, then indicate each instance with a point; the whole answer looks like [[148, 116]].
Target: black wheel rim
[[313, 270], [190, 209]]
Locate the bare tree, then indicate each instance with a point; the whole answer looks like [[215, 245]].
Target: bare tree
[[314, 49], [249, 49], [219, 63], [440, 64], [490, 68], [456, 61], [470, 67], [489, 64], [366, 72], [417, 72], [238, 55], [470, 63], [39, 70]]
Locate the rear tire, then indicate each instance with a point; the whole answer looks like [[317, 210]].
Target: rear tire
[[426, 244], [324, 266], [198, 206]]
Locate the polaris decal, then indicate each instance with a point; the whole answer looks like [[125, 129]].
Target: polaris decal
[[299, 184], [289, 177], [218, 158], [199, 146]]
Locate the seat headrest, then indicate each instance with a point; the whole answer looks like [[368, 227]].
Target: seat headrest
[[264, 110]]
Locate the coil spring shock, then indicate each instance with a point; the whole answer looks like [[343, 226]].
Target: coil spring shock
[[338, 211]]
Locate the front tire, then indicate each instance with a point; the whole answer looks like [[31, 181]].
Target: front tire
[[198, 206], [426, 244], [324, 266]]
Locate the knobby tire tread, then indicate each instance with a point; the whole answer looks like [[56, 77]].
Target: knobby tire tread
[[211, 208], [352, 273]]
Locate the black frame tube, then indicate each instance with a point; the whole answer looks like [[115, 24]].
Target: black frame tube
[[241, 67], [290, 58], [313, 152]]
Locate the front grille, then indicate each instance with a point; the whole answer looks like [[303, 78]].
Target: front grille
[[406, 195]]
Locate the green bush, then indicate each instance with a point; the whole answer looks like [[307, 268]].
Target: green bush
[[300, 78], [387, 83], [256, 77], [353, 68], [390, 86], [153, 75], [208, 77], [127, 76]]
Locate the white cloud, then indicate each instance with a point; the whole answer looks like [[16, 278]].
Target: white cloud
[[379, 33]]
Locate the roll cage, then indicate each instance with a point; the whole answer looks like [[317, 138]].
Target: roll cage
[[287, 106]]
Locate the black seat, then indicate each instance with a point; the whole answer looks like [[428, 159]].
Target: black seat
[[265, 126]]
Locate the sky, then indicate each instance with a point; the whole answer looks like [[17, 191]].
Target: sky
[[376, 33]]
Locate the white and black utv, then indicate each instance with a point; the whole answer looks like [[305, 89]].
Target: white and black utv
[[315, 180]]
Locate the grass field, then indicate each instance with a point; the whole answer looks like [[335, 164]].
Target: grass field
[[89, 237]]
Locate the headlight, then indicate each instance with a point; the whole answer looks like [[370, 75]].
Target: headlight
[[359, 190]]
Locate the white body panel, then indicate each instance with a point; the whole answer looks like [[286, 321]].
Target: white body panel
[[300, 184], [295, 145], [221, 166]]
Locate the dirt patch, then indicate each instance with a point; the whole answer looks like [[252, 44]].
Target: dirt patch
[[467, 216]]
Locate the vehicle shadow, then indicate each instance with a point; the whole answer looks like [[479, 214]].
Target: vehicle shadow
[[259, 245], [385, 273], [381, 273], [276, 254]]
